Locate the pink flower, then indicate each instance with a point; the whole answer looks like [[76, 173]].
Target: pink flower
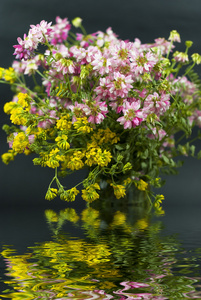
[[155, 103], [37, 34], [60, 31], [120, 86], [96, 110], [133, 115], [142, 61]]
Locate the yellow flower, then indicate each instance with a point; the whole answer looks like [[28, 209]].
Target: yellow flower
[[63, 123], [62, 142], [82, 125], [103, 158], [95, 155], [17, 116], [69, 195], [9, 106], [51, 194], [22, 100], [89, 194], [7, 157], [127, 167], [141, 185], [54, 158], [127, 181], [73, 161], [20, 142], [104, 136], [119, 190], [2, 70], [10, 75]]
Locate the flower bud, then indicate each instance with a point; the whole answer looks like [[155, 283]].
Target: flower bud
[[77, 22], [196, 58], [188, 44]]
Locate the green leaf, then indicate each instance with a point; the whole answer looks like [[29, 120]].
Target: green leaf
[[118, 147], [165, 159], [199, 155]]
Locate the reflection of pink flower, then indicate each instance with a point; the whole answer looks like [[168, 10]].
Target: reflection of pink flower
[[133, 284]]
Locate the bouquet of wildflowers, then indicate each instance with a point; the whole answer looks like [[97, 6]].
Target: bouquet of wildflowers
[[98, 102]]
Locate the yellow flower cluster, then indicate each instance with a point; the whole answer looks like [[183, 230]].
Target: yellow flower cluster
[[62, 142], [82, 125], [21, 143], [51, 194], [90, 194], [64, 123], [17, 109], [141, 185], [7, 157], [119, 190], [8, 75], [23, 100], [69, 195], [53, 159], [95, 155], [104, 136], [73, 161]]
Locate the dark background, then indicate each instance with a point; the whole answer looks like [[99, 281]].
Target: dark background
[[22, 183]]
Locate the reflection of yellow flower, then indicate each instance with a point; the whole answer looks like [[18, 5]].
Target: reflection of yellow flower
[[69, 214], [51, 215], [91, 217], [142, 224], [118, 219], [157, 204]]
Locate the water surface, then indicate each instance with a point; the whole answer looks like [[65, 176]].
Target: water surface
[[101, 254]]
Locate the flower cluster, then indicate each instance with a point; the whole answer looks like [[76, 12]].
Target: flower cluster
[[101, 103]]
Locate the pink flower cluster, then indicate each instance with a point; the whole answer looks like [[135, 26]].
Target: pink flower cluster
[[41, 34], [101, 73]]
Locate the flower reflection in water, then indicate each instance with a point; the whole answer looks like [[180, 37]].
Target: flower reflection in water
[[117, 259]]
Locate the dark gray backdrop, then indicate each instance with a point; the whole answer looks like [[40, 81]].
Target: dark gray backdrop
[[22, 183]]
